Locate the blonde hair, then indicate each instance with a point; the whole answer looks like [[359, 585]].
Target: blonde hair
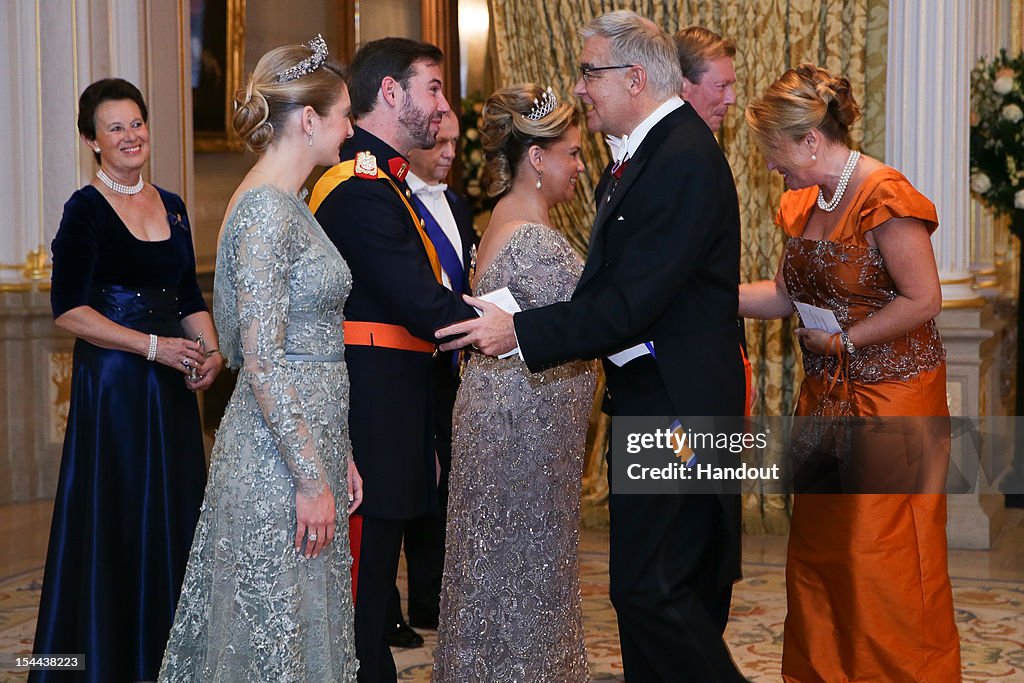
[[506, 133], [262, 107], [803, 99]]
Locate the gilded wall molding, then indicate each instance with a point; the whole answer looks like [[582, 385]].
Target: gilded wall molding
[[224, 140]]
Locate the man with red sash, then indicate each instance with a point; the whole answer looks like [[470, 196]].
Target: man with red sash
[[397, 302]]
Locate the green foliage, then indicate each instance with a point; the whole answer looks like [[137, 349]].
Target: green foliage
[[473, 153]]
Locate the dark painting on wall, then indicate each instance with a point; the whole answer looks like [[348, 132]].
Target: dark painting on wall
[[218, 43]]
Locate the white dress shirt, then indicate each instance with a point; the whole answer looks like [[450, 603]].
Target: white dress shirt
[[621, 149], [433, 198], [626, 146]]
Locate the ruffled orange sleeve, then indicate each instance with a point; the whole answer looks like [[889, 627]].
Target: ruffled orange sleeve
[[795, 209], [894, 197]]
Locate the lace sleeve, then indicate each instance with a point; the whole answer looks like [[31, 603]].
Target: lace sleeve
[[266, 252]]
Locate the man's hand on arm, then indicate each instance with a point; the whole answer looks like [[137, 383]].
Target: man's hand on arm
[[493, 333]]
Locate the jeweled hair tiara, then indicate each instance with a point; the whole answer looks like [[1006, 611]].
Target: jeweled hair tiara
[[543, 106], [308, 65]]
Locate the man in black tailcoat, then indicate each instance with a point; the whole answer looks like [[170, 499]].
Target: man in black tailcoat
[[658, 301]]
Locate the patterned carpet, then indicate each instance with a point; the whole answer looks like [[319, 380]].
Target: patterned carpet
[[990, 615]]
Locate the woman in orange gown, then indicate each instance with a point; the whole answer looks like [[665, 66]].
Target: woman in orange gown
[[868, 589]]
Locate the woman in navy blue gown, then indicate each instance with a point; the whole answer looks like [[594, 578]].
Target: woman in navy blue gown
[[132, 472]]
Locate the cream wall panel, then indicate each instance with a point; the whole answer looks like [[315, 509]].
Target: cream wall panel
[[21, 138]]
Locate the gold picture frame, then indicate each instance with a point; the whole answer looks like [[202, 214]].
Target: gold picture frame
[[218, 58]]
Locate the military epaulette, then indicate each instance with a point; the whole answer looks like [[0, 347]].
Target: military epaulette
[[365, 166], [339, 173], [361, 167]]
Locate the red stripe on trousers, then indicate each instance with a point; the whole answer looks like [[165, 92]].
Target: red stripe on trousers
[[355, 541]]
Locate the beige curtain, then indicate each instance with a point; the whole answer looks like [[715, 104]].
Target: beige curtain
[[538, 40]]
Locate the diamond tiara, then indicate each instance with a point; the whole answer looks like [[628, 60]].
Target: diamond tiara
[[543, 106], [307, 65]]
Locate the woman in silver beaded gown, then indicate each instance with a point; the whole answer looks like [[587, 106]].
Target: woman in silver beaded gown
[[267, 593], [510, 596]]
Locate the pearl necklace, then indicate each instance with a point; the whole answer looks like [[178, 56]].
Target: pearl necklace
[[119, 187], [837, 196]]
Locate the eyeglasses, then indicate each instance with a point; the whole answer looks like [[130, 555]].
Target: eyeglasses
[[587, 71]]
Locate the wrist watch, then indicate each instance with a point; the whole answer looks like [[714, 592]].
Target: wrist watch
[[844, 339]]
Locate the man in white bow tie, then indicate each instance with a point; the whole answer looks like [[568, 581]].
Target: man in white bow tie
[[450, 228], [709, 79], [657, 301]]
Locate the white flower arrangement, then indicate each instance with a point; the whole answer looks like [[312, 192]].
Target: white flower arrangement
[[980, 183], [997, 135], [1003, 85], [1012, 113]]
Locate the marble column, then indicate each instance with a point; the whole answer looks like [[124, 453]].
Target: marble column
[[927, 123], [50, 50], [928, 91]]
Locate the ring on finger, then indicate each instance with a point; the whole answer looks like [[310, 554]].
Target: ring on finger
[[312, 537]]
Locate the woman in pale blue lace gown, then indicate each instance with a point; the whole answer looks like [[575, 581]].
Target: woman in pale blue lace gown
[[510, 596], [267, 593]]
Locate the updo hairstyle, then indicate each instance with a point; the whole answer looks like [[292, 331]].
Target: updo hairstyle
[[803, 99], [264, 105], [105, 90], [506, 133]]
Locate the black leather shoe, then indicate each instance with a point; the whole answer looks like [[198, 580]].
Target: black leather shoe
[[429, 623], [404, 637]]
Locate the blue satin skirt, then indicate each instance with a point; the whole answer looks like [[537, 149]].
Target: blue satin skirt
[[131, 483]]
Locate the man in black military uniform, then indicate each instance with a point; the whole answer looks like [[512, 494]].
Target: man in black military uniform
[[396, 303], [448, 221]]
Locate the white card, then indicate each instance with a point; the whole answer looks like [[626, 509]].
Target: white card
[[626, 355], [815, 318], [503, 299]]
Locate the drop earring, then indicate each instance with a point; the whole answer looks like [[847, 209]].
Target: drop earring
[[540, 174], [310, 138]]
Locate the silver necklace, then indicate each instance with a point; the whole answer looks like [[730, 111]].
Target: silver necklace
[[837, 196], [119, 187]]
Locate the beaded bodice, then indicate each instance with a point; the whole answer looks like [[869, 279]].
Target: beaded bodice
[[848, 276], [854, 284]]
